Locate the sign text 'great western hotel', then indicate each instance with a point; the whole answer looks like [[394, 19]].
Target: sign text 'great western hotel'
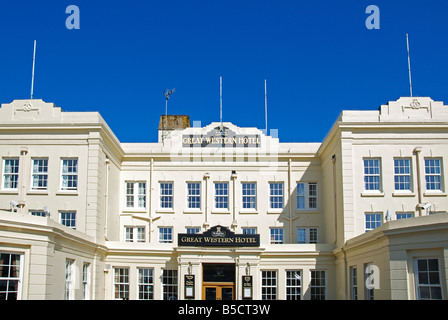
[[221, 137]]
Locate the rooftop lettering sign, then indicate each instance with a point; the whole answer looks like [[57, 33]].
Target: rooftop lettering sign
[[221, 136]]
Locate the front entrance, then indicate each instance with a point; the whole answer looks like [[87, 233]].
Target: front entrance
[[218, 281], [217, 292]]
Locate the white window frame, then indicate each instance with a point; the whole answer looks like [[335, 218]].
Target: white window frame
[[15, 174], [404, 215], [221, 196], [269, 291], [72, 218], [249, 196], [371, 177], [249, 230], [294, 283], [305, 191], [19, 278], [166, 195], [38, 213], [137, 196], [170, 290], [370, 221], [434, 175], [419, 285], [85, 281], [311, 235], [194, 199], [39, 177], [69, 174], [401, 165], [122, 283], [192, 230], [135, 234], [166, 234], [276, 237], [69, 279], [276, 196], [353, 283], [145, 283], [318, 286]]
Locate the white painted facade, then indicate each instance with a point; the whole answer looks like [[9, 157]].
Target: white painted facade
[[114, 219]]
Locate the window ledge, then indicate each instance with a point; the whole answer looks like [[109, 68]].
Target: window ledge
[[307, 211], [169, 211], [192, 211], [403, 194], [217, 211], [12, 191], [275, 211], [134, 210], [247, 211], [435, 194], [67, 193], [38, 192], [372, 194]]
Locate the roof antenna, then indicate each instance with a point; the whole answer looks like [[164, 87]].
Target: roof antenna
[[32, 76], [266, 106], [220, 101], [409, 64], [167, 95]]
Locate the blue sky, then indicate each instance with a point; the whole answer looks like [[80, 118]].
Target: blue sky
[[318, 58]]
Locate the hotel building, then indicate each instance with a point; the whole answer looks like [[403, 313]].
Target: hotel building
[[224, 212]]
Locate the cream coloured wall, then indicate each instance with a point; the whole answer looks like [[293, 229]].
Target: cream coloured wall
[[33, 128]]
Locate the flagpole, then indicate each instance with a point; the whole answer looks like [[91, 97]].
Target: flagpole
[[409, 64], [220, 99], [266, 106], [32, 76]]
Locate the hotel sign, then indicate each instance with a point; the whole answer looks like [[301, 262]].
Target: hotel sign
[[221, 137], [218, 236]]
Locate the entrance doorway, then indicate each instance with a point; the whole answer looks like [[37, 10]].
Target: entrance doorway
[[218, 281], [217, 292]]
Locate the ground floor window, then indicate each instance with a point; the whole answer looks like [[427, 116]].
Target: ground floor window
[[121, 283], [294, 285], [145, 284], [269, 285], [86, 281], [353, 283], [318, 285], [427, 279], [169, 284], [10, 275], [68, 291]]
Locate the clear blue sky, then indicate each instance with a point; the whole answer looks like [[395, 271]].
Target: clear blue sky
[[317, 56]]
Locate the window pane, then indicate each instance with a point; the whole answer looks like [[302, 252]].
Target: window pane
[[69, 174], [433, 174], [372, 174], [166, 195], [428, 282], [11, 173], [276, 195], [194, 195], [221, 195], [169, 284], [249, 195]]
